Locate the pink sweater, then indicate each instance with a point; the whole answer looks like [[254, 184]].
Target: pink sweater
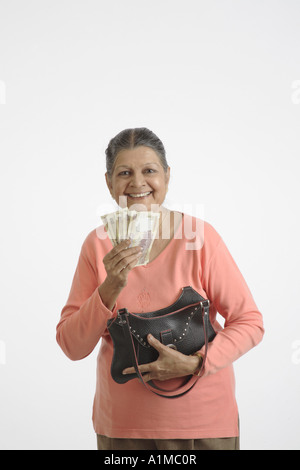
[[130, 410]]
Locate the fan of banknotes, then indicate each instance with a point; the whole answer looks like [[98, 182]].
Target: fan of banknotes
[[139, 226]]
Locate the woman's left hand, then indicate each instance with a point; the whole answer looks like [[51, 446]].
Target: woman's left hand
[[169, 365]]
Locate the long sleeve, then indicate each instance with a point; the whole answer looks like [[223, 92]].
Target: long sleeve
[[84, 317], [231, 297]]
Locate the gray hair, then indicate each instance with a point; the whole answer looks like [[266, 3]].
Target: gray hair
[[130, 139]]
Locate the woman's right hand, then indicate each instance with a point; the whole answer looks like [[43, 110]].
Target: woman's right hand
[[119, 261]]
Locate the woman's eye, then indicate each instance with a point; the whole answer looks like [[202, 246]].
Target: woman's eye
[[126, 172]]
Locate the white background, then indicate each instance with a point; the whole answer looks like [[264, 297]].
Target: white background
[[218, 82]]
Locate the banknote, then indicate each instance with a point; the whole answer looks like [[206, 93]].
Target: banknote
[[110, 224], [122, 223], [140, 227], [142, 231]]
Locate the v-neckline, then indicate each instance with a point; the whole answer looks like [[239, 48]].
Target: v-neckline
[[167, 246]]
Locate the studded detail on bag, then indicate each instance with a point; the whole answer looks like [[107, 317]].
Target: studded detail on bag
[[184, 326]]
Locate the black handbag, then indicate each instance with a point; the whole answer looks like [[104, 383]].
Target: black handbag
[[184, 326]]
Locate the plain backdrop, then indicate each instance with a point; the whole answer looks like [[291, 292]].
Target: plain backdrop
[[219, 82]]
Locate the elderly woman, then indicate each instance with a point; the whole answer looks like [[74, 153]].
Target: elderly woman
[[128, 416]]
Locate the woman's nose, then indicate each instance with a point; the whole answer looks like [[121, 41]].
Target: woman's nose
[[137, 180]]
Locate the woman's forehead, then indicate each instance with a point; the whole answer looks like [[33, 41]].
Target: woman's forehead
[[138, 156]]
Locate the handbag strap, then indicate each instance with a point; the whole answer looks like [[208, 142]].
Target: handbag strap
[[194, 379]]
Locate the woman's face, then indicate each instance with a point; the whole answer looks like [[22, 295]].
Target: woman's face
[[139, 176]]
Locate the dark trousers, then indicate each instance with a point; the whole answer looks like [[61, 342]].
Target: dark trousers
[[225, 443]]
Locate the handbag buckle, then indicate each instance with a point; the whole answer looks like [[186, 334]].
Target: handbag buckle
[[205, 306], [121, 315], [121, 311]]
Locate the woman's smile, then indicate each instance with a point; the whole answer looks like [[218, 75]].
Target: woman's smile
[[139, 195]]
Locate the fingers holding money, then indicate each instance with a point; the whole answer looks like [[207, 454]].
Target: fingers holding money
[[129, 259], [139, 229], [120, 260]]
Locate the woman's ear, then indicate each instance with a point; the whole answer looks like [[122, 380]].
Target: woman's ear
[[109, 183], [167, 177]]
